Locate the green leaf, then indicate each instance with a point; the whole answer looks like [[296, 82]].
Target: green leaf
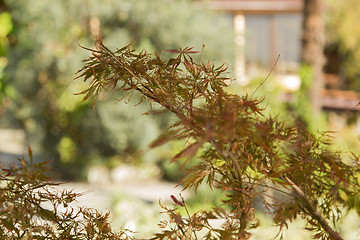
[[47, 214], [353, 202], [281, 182]]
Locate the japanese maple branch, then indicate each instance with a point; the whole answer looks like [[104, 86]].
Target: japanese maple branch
[[312, 210], [243, 216]]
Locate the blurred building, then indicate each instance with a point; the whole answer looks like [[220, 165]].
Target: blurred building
[[268, 29], [264, 30]]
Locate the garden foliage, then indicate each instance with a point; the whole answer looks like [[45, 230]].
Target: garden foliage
[[242, 152]]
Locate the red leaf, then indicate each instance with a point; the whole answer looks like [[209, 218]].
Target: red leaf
[[188, 152], [176, 201], [173, 51], [167, 137], [30, 154]]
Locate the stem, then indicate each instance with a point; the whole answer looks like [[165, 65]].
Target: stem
[[262, 83], [243, 216], [334, 235], [187, 211]]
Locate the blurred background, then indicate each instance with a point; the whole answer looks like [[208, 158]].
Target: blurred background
[[313, 82]]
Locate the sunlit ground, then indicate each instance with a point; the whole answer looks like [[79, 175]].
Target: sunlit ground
[[135, 205]]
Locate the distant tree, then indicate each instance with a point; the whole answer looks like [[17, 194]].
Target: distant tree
[[343, 40], [44, 56], [313, 42], [6, 27]]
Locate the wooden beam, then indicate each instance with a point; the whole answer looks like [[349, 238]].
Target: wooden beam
[[340, 100], [257, 6]]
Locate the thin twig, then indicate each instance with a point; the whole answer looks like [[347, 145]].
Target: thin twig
[[187, 211], [262, 83]]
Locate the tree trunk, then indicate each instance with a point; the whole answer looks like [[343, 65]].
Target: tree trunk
[[313, 41], [3, 6]]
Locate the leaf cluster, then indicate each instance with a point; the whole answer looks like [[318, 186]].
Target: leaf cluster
[[241, 149], [31, 207], [200, 225]]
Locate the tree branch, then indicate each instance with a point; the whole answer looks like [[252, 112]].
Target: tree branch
[[313, 212]]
